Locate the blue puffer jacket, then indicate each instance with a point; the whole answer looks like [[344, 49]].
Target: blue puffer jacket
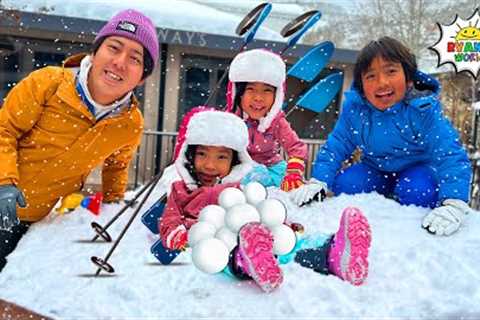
[[411, 132]]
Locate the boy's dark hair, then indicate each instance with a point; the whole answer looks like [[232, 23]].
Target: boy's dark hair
[[390, 50], [147, 58], [190, 165]]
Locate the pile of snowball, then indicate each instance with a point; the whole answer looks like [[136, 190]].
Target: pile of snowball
[[215, 235]]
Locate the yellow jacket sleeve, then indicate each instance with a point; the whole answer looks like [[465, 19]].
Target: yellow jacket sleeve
[[22, 108], [115, 171]]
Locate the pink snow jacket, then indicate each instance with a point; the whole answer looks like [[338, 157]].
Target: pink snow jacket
[[184, 205], [265, 147]]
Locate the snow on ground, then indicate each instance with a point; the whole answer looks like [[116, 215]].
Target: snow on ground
[[412, 274]]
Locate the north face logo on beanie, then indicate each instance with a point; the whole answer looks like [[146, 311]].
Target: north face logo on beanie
[[127, 26], [134, 25]]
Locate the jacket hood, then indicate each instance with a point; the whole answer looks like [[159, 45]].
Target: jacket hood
[[258, 65], [207, 126]]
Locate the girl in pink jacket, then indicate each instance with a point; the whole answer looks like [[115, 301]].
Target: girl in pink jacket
[[256, 92], [211, 155]]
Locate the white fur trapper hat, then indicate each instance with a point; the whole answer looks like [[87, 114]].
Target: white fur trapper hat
[[214, 128], [259, 65]]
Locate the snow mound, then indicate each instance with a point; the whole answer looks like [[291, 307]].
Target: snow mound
[[412, 274]]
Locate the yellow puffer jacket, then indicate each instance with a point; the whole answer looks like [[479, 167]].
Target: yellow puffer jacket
[[49, 141]]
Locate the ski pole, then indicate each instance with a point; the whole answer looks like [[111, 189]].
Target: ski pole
[[102, 231], [248, 26], [103, 263], [296, 28]]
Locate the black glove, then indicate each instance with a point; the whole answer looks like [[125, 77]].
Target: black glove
[[9, 197]]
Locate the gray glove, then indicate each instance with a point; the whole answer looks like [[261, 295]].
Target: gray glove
[[313, 190], [9, 196]]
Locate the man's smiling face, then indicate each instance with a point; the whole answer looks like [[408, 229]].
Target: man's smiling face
[[117, 68]]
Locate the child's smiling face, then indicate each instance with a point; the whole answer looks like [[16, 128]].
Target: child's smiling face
[[212, 164], [384, 83], [258, 99]]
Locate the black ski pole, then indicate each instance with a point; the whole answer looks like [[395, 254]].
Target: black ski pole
[[102, 231], [103, 263]]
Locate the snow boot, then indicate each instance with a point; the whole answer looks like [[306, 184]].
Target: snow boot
[[315, 258], [236, 266], [256, 252], [348, 254]]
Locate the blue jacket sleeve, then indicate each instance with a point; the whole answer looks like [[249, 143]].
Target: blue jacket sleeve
[[449, 158], [338, 147]]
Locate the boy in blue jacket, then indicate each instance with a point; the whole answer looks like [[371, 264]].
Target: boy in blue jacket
[[410, 151]]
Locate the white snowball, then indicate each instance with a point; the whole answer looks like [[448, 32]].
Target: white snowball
[[199, 231], [272, 212], [284, 239], [213, 214], [239, 215], [255, 192], [210, 255], [227, 237], [230, 197]]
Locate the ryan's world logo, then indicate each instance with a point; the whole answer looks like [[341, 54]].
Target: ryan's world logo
[[459, 44]]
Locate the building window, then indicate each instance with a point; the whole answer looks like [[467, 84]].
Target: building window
[[43, 59], [10, 69], [198, 77], [20, 56]]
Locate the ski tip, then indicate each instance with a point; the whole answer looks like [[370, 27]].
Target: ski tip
[[312, 63], [322, 93]]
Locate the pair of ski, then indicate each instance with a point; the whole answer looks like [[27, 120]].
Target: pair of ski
[[308, 95]]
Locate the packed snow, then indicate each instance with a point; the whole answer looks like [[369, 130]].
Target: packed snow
[[412, 274]]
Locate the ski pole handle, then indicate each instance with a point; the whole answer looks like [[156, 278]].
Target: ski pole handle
[[298, 27]]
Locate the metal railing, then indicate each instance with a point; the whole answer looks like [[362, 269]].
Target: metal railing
[[156, 152], [153, 155]]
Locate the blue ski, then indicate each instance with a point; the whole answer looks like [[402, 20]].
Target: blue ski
[[308, 67], [151, 216], [319, 96], [150, 220], [306, 95], [164, 255]]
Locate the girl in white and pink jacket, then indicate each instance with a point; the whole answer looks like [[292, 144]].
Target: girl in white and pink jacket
[[256, 93]]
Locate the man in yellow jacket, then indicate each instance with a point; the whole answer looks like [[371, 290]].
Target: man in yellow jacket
[[59, 123]]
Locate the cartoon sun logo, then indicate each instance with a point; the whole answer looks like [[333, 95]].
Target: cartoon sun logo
[[459, 44], [468, 33]]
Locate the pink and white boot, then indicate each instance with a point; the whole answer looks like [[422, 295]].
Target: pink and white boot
[[348, 254], [256, 252]]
